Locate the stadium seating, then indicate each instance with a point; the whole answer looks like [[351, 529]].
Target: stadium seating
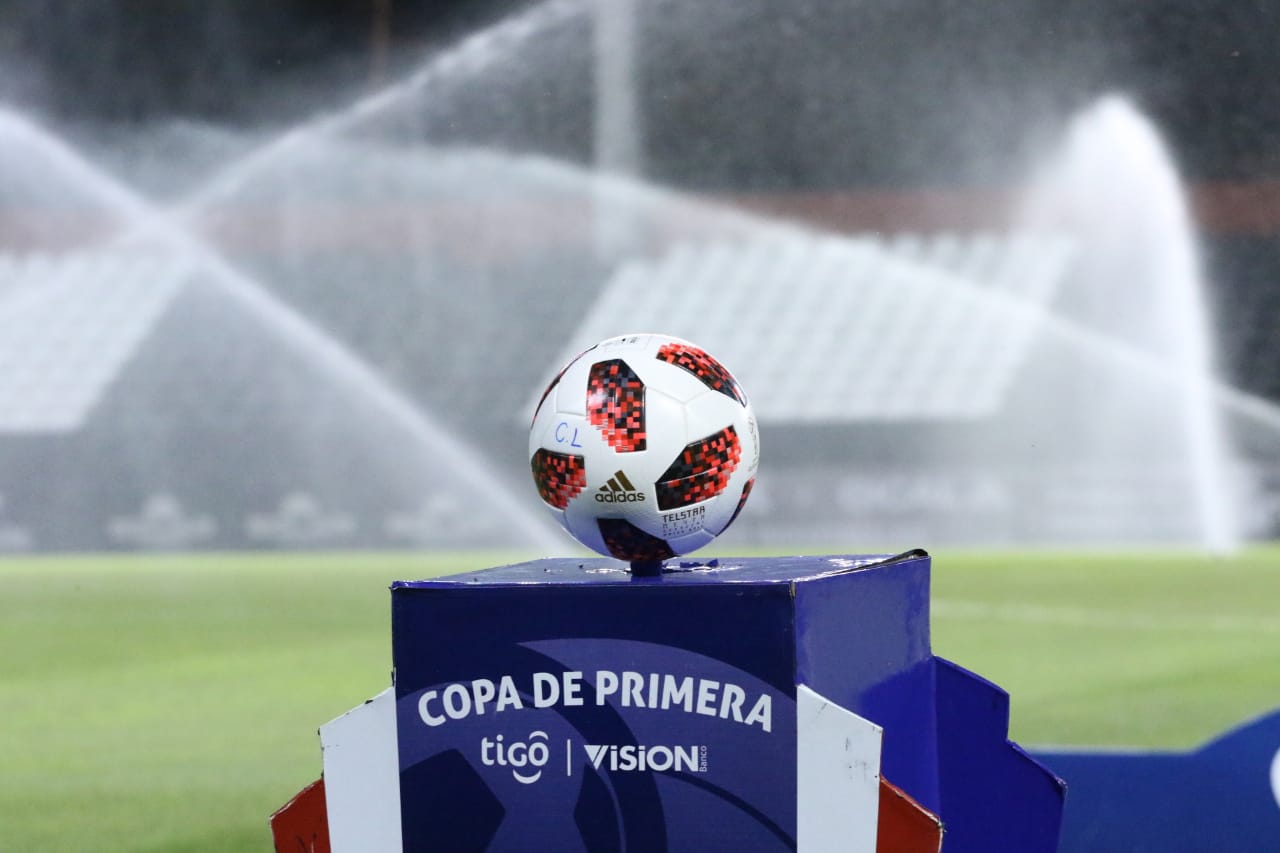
[[464, 278]]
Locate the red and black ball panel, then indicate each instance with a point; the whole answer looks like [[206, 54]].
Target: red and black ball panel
[[701, 471], [560, 477], [702, 365], [625, 541], [615, 405]]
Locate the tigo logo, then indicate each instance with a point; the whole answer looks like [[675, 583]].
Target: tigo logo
[[619, 490], [532, 754]]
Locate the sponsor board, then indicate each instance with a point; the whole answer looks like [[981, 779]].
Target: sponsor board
[[570, 736]]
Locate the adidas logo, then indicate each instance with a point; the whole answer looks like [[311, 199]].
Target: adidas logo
[[618, 490]]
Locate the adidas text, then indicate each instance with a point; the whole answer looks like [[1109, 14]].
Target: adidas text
[[619, 497], [619, 490]]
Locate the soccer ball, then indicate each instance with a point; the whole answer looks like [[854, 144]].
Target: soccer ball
[[644, 447]]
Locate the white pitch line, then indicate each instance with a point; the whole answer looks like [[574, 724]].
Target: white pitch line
[[1107, 619]]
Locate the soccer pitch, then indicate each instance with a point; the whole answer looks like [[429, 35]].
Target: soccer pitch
[[171, 702]]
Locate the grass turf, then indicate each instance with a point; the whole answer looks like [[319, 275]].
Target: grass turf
[[1154, 650], [170, 703]]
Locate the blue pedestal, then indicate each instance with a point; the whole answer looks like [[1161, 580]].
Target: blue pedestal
[[569, 702]]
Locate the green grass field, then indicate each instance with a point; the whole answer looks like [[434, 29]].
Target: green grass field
[[171, 703]]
